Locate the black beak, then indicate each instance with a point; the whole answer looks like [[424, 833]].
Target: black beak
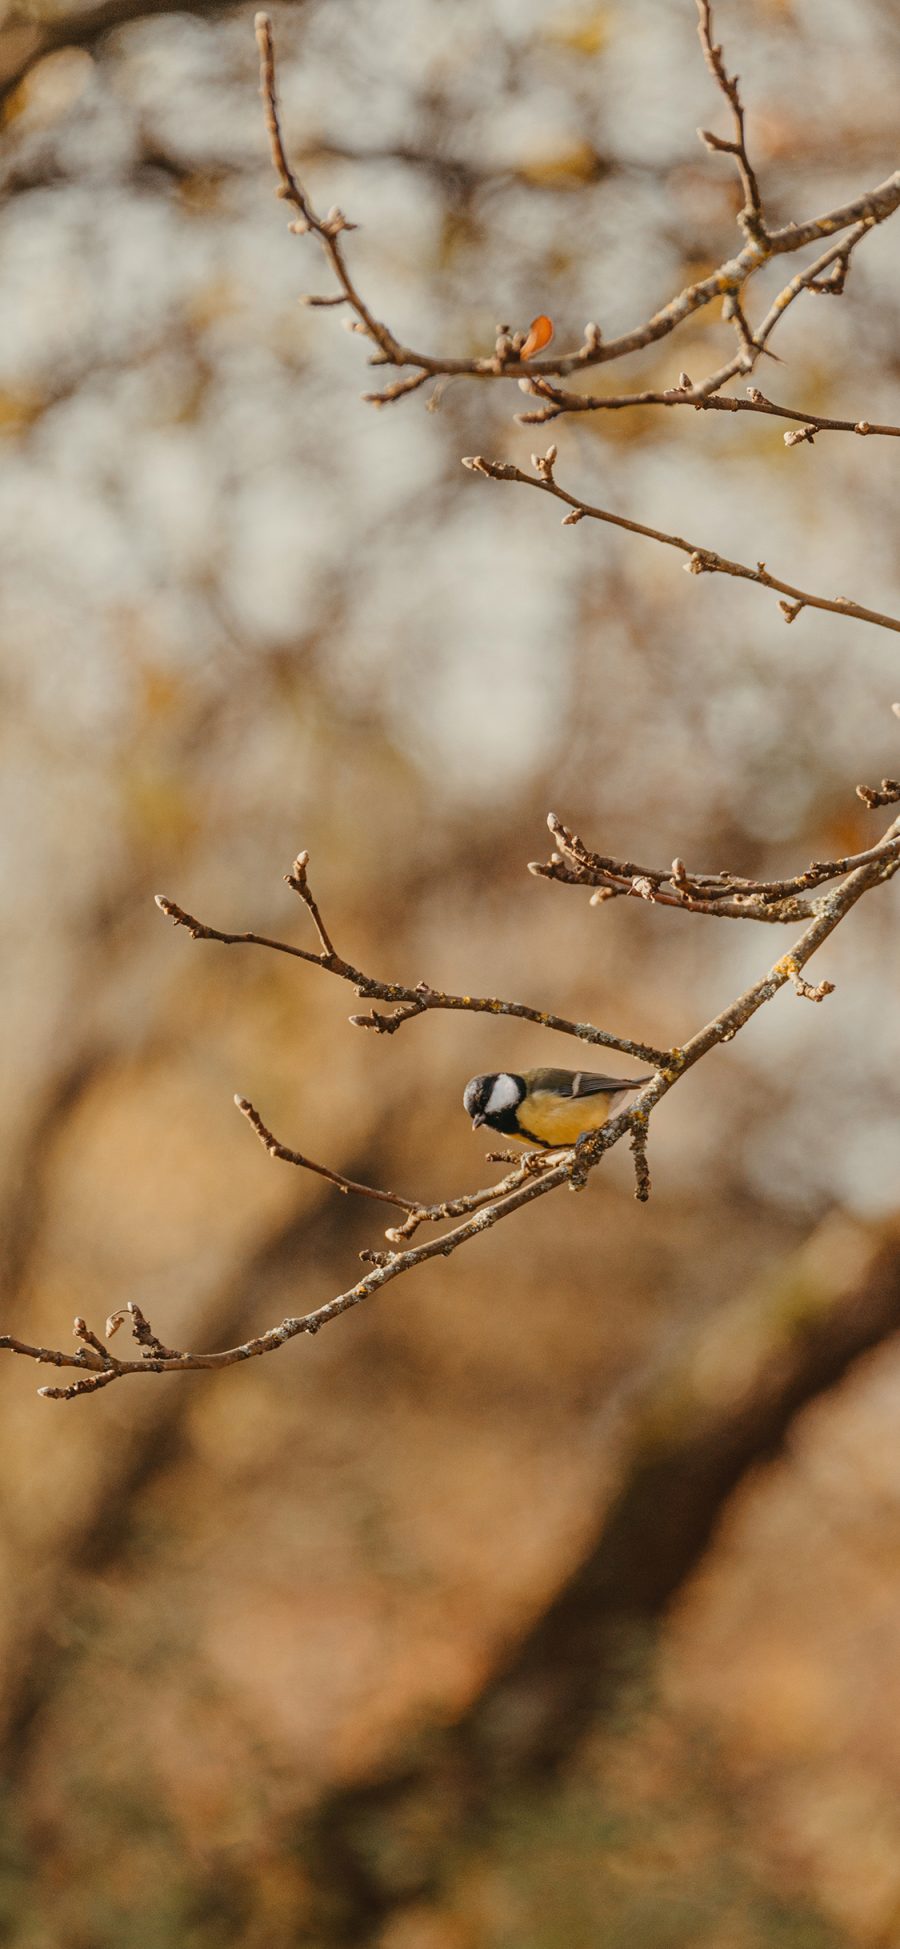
[[477, 1123]]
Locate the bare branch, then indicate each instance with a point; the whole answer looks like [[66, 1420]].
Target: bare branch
[[345, 1184], [328, 229], [418, 1212], [561, 402], [724, 895], [727, 282], [91, 1385], [750, 217], [412, 1001], [143, 1333], [485, 1208], [397, 390], [702, 561]]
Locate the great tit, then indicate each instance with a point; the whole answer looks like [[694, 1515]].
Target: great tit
[[552, 1107]]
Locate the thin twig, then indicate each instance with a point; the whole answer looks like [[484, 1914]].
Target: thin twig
[[83, 1333], [345, 1184], [141, 1331], [702, 561], [297, 878], [756, 402], [328, 229], [750, 217]]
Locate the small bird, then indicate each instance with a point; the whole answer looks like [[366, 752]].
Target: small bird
[[552, 1107]]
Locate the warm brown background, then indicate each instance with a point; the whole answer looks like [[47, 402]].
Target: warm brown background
[[550, 1601]]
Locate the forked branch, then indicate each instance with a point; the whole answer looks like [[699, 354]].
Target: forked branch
[[727, 283], [726, 896], [408, 1002]]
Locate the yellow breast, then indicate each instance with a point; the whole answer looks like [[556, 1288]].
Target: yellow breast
[[550, 1119]]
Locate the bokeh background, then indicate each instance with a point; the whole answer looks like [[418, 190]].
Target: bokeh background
[[551, 1600]]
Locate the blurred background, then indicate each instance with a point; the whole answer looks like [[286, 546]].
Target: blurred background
[[550, 1600]]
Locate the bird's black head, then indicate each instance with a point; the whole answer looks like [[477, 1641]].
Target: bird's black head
[[494, 1100]]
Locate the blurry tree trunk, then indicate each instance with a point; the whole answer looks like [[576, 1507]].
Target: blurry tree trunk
[[389, 1841]]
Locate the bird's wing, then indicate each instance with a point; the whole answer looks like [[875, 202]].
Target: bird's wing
[[580, 1082]]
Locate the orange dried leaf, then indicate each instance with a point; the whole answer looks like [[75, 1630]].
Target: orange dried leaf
[[540, 332]]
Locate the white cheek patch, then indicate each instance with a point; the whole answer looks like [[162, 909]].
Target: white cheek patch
[[504, 1096]]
